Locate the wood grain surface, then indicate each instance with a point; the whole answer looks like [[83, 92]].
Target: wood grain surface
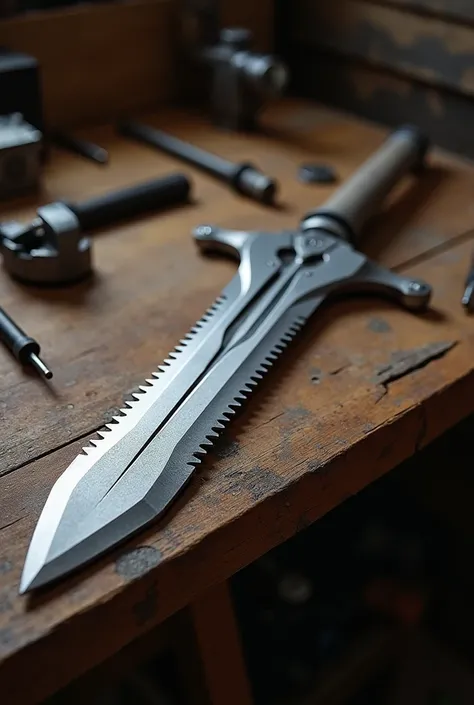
[[324, 424], [425, 48]]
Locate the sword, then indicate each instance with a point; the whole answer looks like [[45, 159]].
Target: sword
[[127, 477]]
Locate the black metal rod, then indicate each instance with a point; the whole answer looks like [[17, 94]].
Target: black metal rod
[[217, 166], [242, 177], [132, 201]]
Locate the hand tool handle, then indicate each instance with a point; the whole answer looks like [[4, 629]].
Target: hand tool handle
[[132, 201], [217, 166], [353, 204], [25, 349], [11, 335]]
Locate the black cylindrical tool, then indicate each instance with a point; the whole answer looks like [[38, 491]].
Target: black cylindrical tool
[[53, 248], [359, 197], [131, 201], [243, 178], [25, 349]]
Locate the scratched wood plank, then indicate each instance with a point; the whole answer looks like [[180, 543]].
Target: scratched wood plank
[[373, 93], [426, 48], [323, 426], [104, 337]]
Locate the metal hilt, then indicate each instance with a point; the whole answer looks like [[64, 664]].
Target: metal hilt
[[356, 201], [132, 201]]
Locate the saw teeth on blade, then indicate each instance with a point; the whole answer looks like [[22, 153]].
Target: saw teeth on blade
[[163, 368], [244, 392]]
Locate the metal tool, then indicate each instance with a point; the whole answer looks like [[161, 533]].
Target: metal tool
[[128, 477], [244, 178], [25, 349], [242, 80], [77, 145], [53, 249], [468, 296], [20, 156]]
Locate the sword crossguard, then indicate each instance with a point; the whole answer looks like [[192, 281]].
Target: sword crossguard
[[335, 266]]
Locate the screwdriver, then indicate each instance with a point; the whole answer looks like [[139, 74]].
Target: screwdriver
[[25, 349], [468, 296]]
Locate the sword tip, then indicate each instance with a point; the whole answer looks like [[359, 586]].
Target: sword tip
[[32, 579]]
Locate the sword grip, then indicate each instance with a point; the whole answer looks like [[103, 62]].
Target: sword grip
[[358, 198]]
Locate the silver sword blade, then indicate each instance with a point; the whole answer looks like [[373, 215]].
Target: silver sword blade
[[106, 458], [79, 522]]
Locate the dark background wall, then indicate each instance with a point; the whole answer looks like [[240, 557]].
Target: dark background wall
[[389, 60]]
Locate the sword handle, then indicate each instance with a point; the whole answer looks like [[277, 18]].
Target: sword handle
[[359, 197]]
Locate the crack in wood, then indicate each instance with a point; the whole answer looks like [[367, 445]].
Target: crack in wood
[[403, 362], [317, 375], [30, 461], [378, 380], [10, 523]]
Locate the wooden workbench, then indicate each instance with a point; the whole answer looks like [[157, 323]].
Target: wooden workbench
[[327, 423]]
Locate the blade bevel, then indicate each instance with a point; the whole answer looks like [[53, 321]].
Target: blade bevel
[[177, 471], [66, 525], [106, 440], [106, 458]]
